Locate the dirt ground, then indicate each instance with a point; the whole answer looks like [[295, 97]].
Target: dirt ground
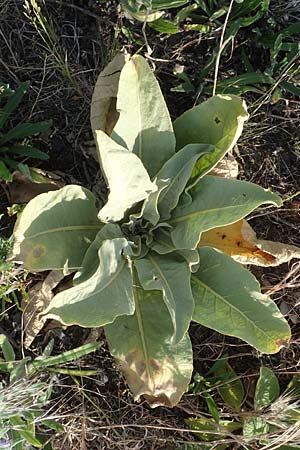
[[100, 412]]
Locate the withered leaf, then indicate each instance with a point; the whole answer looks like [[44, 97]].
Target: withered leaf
[[239, 241], [39, 298]]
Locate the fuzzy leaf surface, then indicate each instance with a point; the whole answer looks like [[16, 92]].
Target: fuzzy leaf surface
[[172, 277], [101, 298], [144, 126], [55, 230], [217, 121], [90, 261], [163, 245], [127, 178], [141, 345], [178, 170], [216, 202], [228, 300]]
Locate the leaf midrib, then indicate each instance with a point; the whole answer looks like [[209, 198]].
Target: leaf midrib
[[140, 324], [68, 228], [166, 283], [223, 299], [208, 211]]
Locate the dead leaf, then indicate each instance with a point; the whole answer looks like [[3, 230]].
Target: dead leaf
[[104, 115], [239, 241], [22, 190], [39, 298], [226, 168]]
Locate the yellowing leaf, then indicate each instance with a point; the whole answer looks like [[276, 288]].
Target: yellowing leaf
[[239, 241], [154, 368]]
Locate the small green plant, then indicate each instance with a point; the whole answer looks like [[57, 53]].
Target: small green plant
[[13, 142], [138, 269], [272, 420], [23, 400]]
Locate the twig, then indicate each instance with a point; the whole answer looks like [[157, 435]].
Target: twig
[[222, 45]]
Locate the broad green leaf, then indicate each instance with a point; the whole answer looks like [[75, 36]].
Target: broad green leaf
[[24, 431], [53, 424], [231, 388], [216, 202], [212, 407], [228, 300], [4, 172], [163, 245], [24, 130], [172, 277], [55, 230], [7, 349], [267, 388], [149, 210], [90, 261], [144, 126], [127, 178], [12, 103], [218, 122], [255, 426], [25, 150], [101, 298], [164, 26], [177, 170], [141, 345], [208, 430]]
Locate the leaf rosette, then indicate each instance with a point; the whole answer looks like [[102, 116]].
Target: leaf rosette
[[140, 268]]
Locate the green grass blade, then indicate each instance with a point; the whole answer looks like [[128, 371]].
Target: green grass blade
[[12, 103], [31, 152], [71, 355], [23, 130]]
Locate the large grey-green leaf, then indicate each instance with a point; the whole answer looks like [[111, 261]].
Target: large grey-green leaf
[[228, 300], [178, 170], [173, 278], [216, 202], [149, 210], [141, 345], [55, 230], [163, 244], [219, 122], [127, 178], [101, 298], [144, 126], [90, 261], [219, 119]]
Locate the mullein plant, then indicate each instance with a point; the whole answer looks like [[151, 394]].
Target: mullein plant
[[139, 268]]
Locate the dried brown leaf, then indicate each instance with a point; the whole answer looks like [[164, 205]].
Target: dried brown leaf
[[39, 298], [226, 168], [239, 241], [104, 115], [22, 190]]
